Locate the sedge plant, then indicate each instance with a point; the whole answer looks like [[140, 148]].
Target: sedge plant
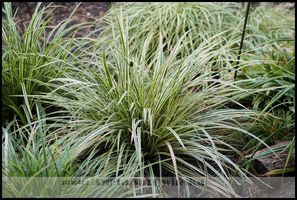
[[36, 162], [38, 53], [165, 118]]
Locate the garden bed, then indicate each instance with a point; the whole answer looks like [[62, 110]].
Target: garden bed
[[129, 90]]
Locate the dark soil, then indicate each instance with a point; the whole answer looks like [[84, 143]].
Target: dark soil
[[86, 12]]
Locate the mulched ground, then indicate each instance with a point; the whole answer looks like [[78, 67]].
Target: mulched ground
[[86, 12]]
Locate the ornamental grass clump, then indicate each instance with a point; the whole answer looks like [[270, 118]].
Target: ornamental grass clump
[[142, 101], [165, 118], [36, 162], [152, 23], [172, 20], [38, 53], [31, 151]]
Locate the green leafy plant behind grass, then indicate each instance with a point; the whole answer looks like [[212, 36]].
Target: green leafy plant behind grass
[[39, 53], [276, 71], [268, 22], [271, 70], [274, 74]]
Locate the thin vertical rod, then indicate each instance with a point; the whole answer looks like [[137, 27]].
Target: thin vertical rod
[[242, 38]]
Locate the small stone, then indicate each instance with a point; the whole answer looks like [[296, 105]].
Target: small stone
[[271, 162]]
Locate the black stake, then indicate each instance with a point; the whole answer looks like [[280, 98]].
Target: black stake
[[242, 38]]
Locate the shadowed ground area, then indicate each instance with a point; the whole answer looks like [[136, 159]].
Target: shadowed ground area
[[86, 12]]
